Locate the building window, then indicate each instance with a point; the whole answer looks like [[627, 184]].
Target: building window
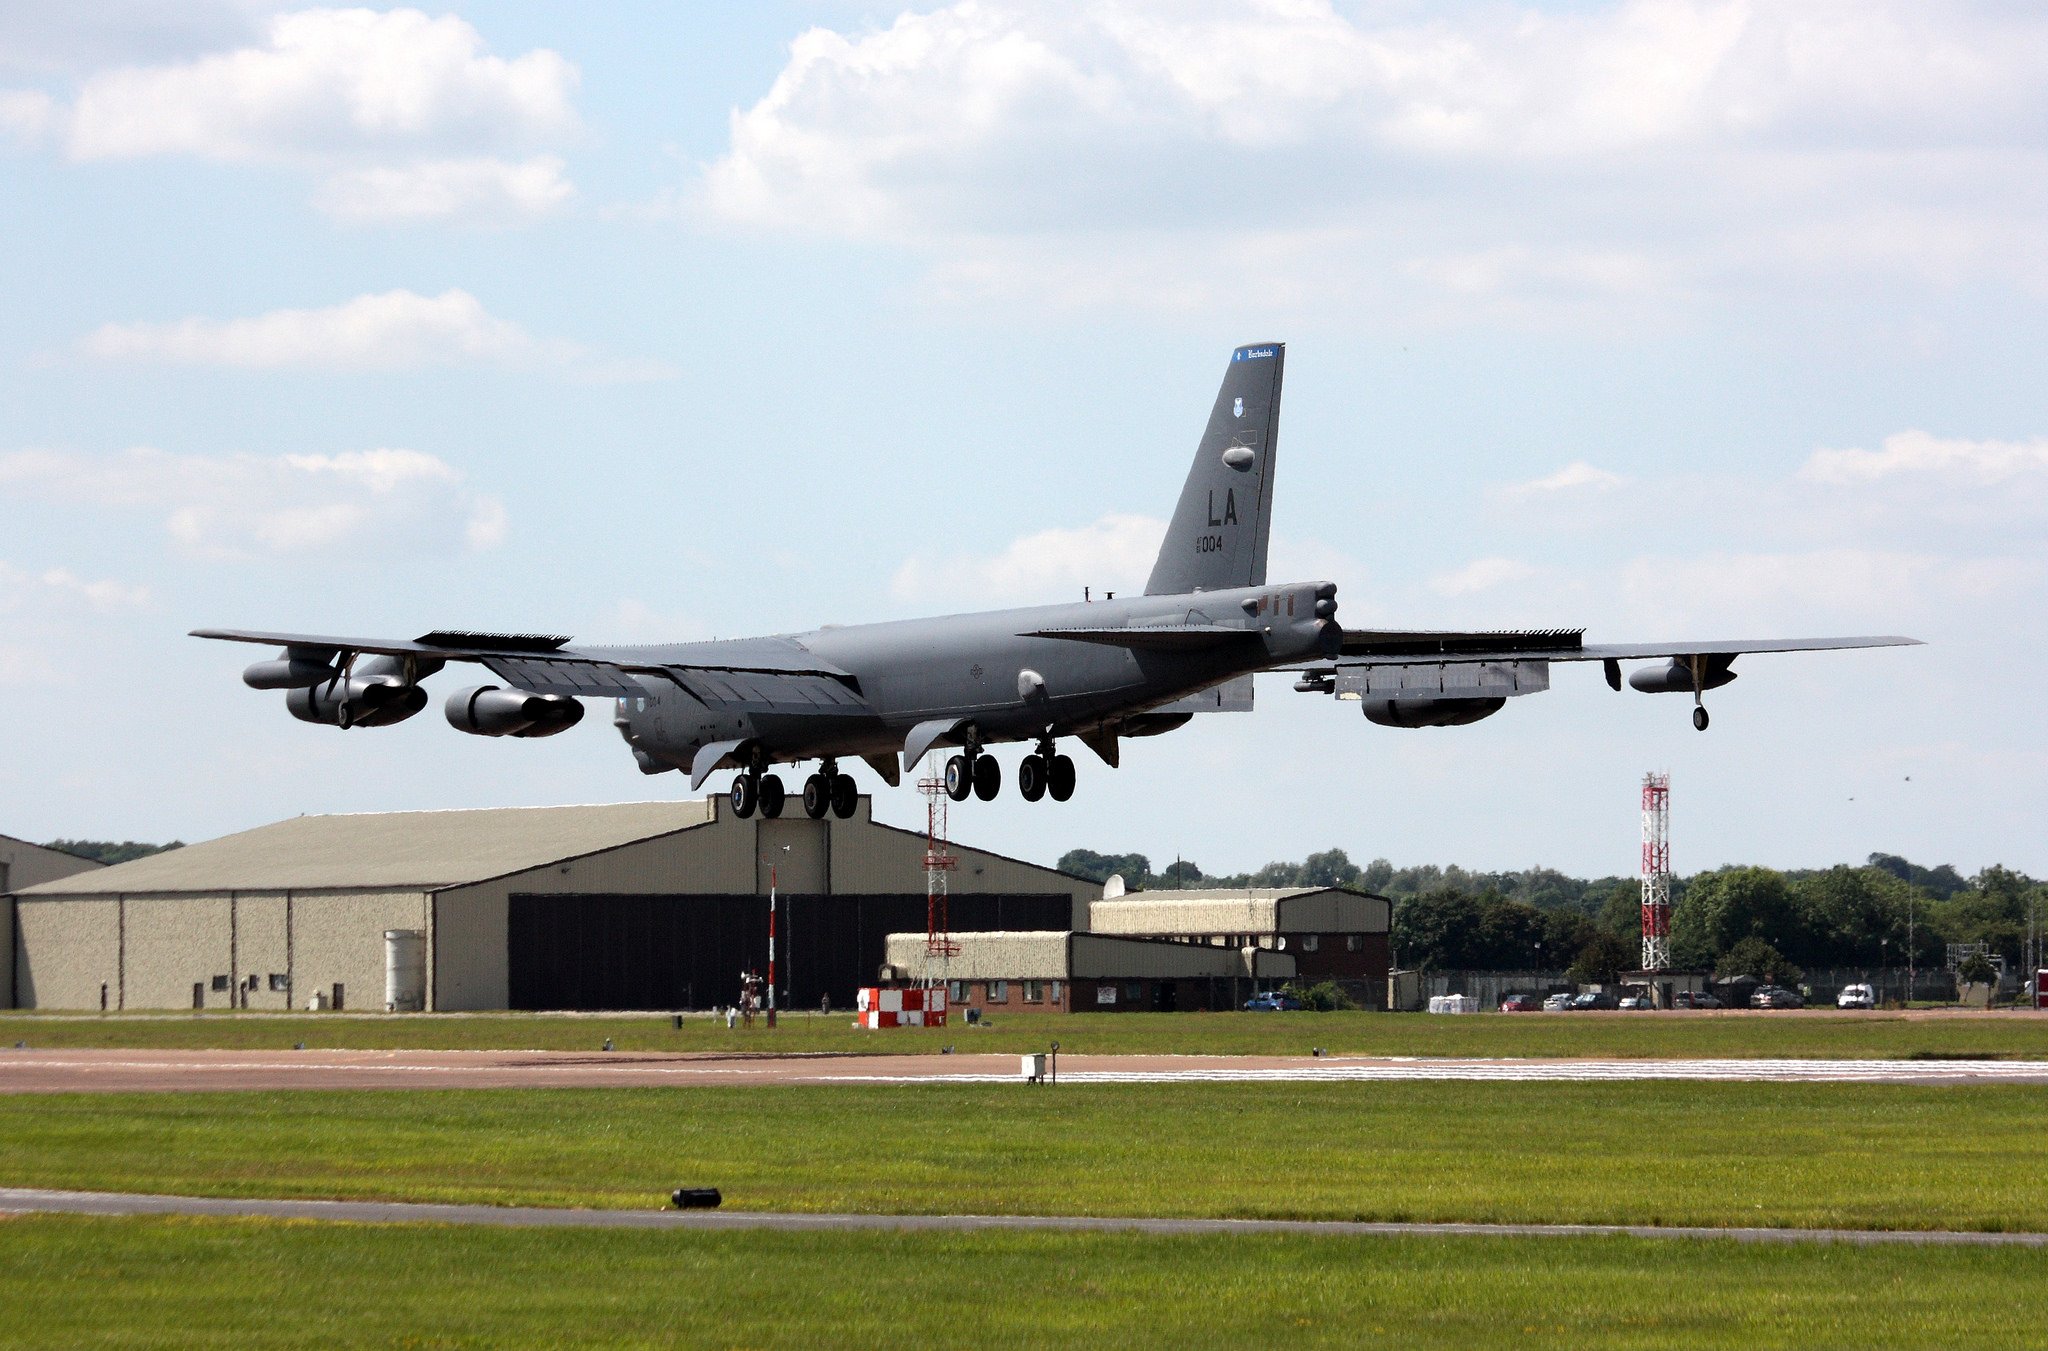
[[1310, 942], [1057, 992], [1134, 992], [1354, 942], [220, 982], [956, 992], [999, 992], [1034, 992], [280, 983]]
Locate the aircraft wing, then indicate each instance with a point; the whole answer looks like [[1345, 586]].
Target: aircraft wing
[[757, 672], [1394, 647]]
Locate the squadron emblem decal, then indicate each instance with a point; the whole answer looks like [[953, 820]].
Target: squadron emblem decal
[[1237, 409]]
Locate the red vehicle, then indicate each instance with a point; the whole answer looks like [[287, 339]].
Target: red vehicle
[[1521, 1003]]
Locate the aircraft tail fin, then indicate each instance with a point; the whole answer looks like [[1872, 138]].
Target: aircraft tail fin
[[1218, 536]]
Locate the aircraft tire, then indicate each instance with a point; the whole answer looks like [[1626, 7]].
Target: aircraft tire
[[772, 796], [988, 777], [1699, 719], [845, 796], [1031, 778], [745, 792], [817, 797], [959, 778], [1059, 777]]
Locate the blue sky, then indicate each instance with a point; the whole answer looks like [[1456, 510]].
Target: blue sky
[[1669, 318]]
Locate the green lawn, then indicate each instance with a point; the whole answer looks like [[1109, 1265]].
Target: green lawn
[[1850, 1155], [1816, 1033], [70, 1281]]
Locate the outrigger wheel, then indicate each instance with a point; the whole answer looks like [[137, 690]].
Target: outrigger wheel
[[1699, 718]]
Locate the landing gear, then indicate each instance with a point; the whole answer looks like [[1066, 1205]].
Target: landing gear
[[988, 777], [829, 790], [1699, 718], [1059, 777], [772, 795], [746, 792], [1031, 777], [959, 777]]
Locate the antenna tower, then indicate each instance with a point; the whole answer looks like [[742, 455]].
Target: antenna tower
[[939, 860], [1656, 872]]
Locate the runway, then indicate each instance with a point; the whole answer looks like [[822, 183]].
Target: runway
[[23, 1200], [130, 1071]]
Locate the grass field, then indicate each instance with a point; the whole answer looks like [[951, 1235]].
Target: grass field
[[1848, 1155], [1816, 1033], [68, 1281]]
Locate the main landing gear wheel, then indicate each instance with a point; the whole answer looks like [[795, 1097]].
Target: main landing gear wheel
[[1059, 777], [1031, 777], [772, 795], [817, 797], [845, 796], [1699, 719], [746, 792], [988, 778], [959, 778]]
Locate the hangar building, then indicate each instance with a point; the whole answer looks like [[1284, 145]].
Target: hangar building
[[1169, 950], [24, 865], [649, 905]]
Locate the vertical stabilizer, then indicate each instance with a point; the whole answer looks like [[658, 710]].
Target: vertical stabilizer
[[1218, 535]]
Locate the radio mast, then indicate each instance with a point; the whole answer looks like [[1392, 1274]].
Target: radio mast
[[1656, 872]]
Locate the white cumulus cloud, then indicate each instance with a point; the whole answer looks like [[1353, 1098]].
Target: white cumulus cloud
[[1481, 574], [1112, 553], [402, 115], [245, 506], [1918, 453], [1515, 158], [1577, 474], [390, 331]]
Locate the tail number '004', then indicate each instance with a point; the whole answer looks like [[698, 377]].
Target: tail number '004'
[[1208, 544]]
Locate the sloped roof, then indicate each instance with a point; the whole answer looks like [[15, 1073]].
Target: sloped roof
[[1240, 910], [388, 849]]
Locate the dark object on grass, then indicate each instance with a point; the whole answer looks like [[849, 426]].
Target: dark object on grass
[[677, 1023], [696, 1198], [298, 1046], [607, 1043]]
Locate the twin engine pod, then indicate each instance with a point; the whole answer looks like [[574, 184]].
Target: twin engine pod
[[489, 710], [1429, 712], [377, 693]]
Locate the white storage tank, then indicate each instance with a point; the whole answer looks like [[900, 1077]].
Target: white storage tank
[[405, 970]]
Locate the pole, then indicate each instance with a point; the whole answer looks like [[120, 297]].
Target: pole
[[771, 945], [1908, 1001]]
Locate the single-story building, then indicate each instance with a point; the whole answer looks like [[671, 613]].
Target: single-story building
[[26, 865], [639, 905], [1332, 933], [1076, 972]]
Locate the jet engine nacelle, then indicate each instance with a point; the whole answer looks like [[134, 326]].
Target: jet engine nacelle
[[1675, 676], [1429, 712], [377, 701], [292, 670], [488, 710]]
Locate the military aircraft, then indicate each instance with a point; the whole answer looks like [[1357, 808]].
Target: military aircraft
[[1099, 671]]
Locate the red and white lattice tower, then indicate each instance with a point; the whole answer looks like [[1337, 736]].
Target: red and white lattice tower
[[939, 860], [1656, 872]]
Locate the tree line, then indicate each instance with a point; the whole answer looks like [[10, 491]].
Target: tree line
[[1745, 920]]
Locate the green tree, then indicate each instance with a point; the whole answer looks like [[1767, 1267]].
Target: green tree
[[109, 852], [1603, 959], [1181, 872], [1977, 969], [1331, 868], [1756, 958], [1135, 869], [1722, 908]]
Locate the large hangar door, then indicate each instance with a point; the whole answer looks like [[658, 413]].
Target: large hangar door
[[571, 951]]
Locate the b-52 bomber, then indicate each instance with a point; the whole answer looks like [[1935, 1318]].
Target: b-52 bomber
[[1099, 672]]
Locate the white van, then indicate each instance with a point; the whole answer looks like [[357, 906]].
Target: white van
[[1855, 997]]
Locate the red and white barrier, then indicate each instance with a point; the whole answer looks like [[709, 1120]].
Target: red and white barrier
[[879, 1007]]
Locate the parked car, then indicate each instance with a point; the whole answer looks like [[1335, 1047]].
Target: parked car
[[1596, 999], [1560, 1000], [1272, 1002], [1776, 997], [1520, 1003], [1637, 1001], [1694, 999], [1856, 997]]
